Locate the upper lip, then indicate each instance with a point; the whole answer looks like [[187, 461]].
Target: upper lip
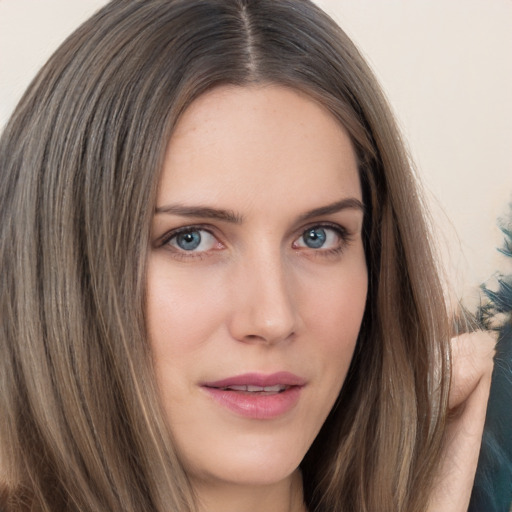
[[258, 379]]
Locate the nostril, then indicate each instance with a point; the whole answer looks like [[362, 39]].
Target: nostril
[[268, 337]]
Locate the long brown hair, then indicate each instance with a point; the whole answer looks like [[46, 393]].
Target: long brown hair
[[80, 423]]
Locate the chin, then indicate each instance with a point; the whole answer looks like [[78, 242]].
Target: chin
[[249, 461]]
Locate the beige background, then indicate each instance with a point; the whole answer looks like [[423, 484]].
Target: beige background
[[446, 67]]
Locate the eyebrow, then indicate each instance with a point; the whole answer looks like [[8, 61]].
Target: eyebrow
[[234, 218], [201, 211], [349, 203]]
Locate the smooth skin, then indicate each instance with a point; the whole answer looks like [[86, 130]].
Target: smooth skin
[[256, 266]]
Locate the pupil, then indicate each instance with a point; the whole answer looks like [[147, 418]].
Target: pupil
[[315, 238], [189, 241]]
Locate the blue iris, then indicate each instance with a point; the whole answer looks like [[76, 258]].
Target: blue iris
[[189, 240], [314, 238]]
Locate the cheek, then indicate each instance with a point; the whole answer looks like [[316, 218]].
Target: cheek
[[334, 316], [182, 313], [336, 303]]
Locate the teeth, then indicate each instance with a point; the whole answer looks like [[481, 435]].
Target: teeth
[[255, 388], [237, 388], [258, 389], [275, 388]]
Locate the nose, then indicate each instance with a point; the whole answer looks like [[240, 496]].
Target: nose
[[263, 307]]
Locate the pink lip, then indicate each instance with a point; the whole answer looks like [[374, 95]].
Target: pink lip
[[258, 379], [257, 405]]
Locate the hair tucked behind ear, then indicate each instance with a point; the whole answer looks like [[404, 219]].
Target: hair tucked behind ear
[[80, 423]]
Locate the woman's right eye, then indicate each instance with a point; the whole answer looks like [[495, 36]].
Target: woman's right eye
[[192, 240]]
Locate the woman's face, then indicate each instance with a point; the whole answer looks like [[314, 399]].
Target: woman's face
[[256, 282]]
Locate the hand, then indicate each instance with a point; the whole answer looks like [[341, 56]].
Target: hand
[[472, 364]]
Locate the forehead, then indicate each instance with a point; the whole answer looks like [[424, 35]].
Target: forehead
[[257, 142]]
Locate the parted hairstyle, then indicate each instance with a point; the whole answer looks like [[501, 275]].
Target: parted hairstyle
[[81, 425]]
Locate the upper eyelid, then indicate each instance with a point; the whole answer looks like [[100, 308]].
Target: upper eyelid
[[168, 235], [212, 230], [326, 224], [343, 233]]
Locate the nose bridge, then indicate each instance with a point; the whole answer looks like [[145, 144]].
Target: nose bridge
[[263, 305]]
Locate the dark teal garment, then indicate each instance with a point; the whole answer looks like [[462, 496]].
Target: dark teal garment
[[492, 490]]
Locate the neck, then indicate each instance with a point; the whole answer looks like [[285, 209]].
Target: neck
[[284, 496]]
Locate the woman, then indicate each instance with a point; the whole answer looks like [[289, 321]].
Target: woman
[[218, 286]]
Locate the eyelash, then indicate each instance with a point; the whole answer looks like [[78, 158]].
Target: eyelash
[[345, 238], [342, 233], [182, 254]]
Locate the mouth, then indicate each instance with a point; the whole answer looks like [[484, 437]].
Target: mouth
[[257, 396], [267, 390]]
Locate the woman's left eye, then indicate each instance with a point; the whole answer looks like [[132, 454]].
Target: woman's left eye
[[192, 240], [321, 237]]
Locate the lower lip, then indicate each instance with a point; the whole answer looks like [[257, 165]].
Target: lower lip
[[257, 405]]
